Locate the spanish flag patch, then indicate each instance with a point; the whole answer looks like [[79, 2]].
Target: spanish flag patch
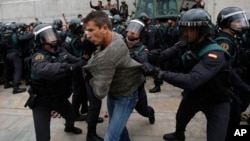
[[39, 56], [212, 55]]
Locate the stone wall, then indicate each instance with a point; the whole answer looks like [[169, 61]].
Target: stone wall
[[47, 10]]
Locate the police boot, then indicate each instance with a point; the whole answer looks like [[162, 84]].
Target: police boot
[[157, 88], [1, 82], [7, 85], [151, 117], [91, 135], [16, 89], [80, 117], [175, 136], [72, 129]]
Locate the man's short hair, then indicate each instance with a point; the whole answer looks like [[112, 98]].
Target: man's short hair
[[99, 17], [79, 15]]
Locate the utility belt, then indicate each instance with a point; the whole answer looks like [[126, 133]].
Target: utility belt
[[32, 100], [50, 90]]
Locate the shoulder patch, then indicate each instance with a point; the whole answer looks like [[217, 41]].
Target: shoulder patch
[[225, 46], [212, 55], [39, 56]]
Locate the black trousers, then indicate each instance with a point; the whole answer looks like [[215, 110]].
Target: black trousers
[[142, 104], [95, 105], [14, 60], [79, 97], [217, 116], [42, 116], [157, 81]]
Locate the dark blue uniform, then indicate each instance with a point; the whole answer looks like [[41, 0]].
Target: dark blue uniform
[[14, 59], [51, 82], [139, 53], [79, 97], [233, 46], [206, 88]]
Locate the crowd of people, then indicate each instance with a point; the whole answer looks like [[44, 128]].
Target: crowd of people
[[93, 57]]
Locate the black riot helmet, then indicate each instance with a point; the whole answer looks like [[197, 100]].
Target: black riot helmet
[[75, 25], [194, 24], [57, 24], [143, 17], [135, 26], [13, 26], [22, 26], [233, 18], [45, 34], [117, 19]]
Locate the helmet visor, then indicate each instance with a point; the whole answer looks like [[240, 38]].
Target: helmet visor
[[49, 36], [238, 20], [135, 26], [192, 31]]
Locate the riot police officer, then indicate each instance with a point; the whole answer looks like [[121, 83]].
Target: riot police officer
[[82, 91], [117, 25], [57, 23], [139, 52], [51, 69], [231, 21], [205, 81], [14, 56], [76, 45], [149, 39]]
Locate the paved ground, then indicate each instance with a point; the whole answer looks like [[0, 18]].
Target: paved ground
[[16, 123]]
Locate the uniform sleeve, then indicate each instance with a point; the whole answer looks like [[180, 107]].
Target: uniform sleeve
[[169, 53], [68, 57], [143, 56], [25, 37], [204, 70], [227, 45], [46, 70]]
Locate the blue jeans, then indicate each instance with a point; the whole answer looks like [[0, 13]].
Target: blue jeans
[[119, 110]]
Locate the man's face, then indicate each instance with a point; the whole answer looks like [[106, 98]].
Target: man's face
[[132, 39], [95, 34], [133, 35], [237, 25], [190, 35]]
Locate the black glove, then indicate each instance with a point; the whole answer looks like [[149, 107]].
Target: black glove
[[181, 43], [154, 56], [79, 64], [150, 70], [71, 67]]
